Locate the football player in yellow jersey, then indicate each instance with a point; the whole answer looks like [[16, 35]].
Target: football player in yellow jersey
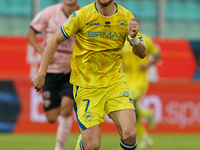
[[135, 72], [101, 29]]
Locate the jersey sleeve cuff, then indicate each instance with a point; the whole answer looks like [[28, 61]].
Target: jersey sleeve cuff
[[64, 33], [35, 29]]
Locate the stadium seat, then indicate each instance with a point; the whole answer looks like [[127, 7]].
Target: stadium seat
[[3, 7], [131, 6], [18, 7], [192, 10], [15, 7], [174, 10], [148, 9], [46, 3], [148, 27], [178, 14]]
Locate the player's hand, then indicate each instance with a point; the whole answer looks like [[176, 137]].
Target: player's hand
[[133, 28], [38, 81]]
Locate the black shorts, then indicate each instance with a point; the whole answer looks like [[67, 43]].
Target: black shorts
[[55, 87]]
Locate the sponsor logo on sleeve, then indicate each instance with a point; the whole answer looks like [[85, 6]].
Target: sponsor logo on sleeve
[[74, 14], [68, 21], [37, 17], [93, 24]]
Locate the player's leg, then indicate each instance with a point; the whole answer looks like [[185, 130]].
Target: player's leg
[[51, 99], [66, 106], [52, 115], [119, 107], [65, 122], [89, 110], [144, 138], [147, 113], [137, 92], [125, 121], [91, 137], [140, 128]]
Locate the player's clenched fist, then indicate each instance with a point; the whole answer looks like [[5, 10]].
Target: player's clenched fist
[[38, 81], [133, 28]]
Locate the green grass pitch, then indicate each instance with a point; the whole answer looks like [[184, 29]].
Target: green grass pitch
[[109, 142]]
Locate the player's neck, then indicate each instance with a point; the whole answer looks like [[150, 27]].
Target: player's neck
[[108, 10], [69, 9]]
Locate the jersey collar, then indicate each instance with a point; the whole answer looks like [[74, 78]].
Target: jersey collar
[[98, 10]]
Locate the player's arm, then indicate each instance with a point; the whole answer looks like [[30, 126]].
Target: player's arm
[[154, 51], [32, 38], [138, 46], [155, 60], [38, 79], [38, 25], [156, 56]]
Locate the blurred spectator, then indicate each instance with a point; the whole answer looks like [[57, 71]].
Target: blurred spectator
[[57, 91]]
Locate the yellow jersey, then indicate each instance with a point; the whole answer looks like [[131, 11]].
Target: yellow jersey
[[97, 54], [131, 63]]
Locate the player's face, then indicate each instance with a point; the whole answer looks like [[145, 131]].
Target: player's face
[[70, 2], [105, 2]]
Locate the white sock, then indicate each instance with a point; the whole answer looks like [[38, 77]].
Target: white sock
[[57, 148], [63, 132]]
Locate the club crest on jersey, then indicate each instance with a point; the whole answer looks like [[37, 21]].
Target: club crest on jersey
[[88, 117], [68, 21], [107, 24], [122, 24]]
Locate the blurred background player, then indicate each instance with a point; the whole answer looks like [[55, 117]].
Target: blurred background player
[[57, 92], [135, 71]]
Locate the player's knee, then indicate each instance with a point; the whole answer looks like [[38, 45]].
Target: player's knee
[[91, 142], [92, 145], [129, 136], [65, 112], [66, 108], [52, 119]]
